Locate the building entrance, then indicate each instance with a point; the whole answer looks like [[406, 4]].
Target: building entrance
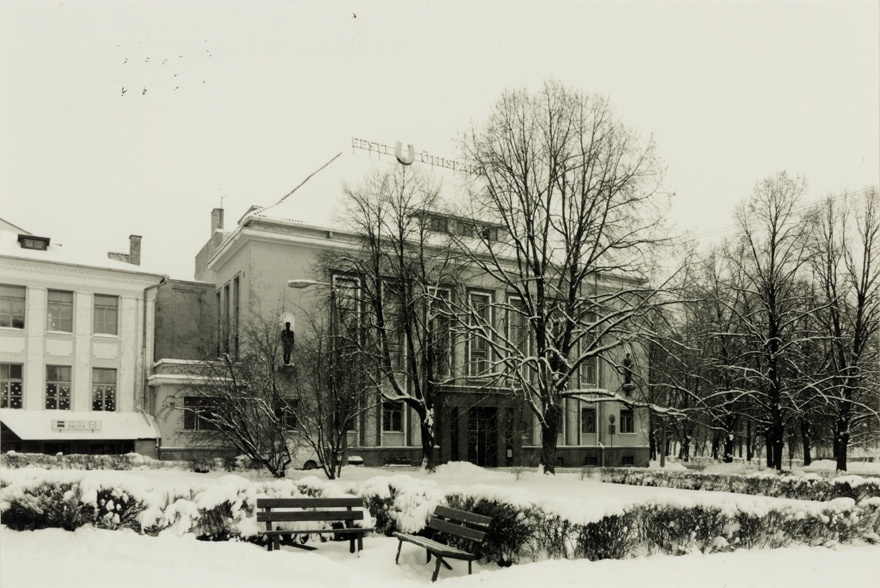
[[482, 448]]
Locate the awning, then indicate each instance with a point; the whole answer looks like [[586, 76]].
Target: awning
[[64, 425]]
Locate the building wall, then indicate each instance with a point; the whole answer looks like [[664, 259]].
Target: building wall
[[36, 347]]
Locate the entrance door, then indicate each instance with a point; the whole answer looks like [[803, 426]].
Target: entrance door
[[483, 436]]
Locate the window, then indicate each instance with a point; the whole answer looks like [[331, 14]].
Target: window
[[589, 368], [106, 314], [236, 303], [392, 417], [226, 324], [440, 327], [60, 315], [10, 384], [588, 421], [104, 389], [627, 421], [438, 224], [480, 322], [286, 413], [12, 306], [57, 387], [198, 412], [219, 323], [33, 242]]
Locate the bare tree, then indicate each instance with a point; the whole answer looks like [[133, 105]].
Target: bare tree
[[846, 232], [568, 211], [771, 257], [330, 384], [405, 272], [245, 401]]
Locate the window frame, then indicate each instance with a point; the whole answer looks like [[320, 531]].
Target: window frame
[[13, 306], [593, 420], [97, 383], [627, 414], [58, 394], [444, 360], [100, 320], [8, 380], [194, 407], [484, 345], [59, 308], [392, 410]]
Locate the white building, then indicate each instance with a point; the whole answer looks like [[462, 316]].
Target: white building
[[72, 348]]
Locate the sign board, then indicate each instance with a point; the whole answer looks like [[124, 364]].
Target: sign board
[[76, 425], [407, 156]]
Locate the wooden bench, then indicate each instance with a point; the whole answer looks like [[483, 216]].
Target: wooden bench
[[449, 523], [342, 512]]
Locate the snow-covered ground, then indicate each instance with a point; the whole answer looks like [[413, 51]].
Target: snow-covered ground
[[94, 558]]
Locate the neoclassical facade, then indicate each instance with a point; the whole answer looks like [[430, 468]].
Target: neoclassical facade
[[249, 265]]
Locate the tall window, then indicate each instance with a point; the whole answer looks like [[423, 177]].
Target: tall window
[[12, 306], [479, 320], [57, 387], [103, 389], [627, 421], [106, 314], [440, 327], [10, 384], [588, 421], [236, 303], [589, 368], [59, 317], [219, 322], [392, 416], [197, 413], [226, 324], [286, 413]]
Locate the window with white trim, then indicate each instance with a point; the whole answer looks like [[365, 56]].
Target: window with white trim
[[392, 416], [198, 412], [106, 314], [104, 389], [627, 421], [58, 387], [12, 306], [11, 384], [59, 315], [479, 319], [588, 420]]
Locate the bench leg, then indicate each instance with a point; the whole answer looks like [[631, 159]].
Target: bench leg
[[469, 567], [399, 545], [437, 569]]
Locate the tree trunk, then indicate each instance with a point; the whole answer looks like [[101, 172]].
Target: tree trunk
[[750, 453], [549, 436], [805, 442], [842, 442], [428, 459]]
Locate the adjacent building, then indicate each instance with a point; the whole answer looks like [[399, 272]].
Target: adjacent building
[[72, 348]]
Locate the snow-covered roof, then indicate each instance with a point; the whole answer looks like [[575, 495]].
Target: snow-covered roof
[[66, 254], [66, 425], [318, 200]]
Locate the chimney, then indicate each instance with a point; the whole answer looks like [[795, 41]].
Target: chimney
[[216, 220], [134, 249]]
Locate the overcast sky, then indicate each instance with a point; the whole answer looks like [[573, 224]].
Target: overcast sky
[[138, 117]]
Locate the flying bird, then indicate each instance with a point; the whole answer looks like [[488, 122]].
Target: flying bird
[[144, 92], [123, 90]]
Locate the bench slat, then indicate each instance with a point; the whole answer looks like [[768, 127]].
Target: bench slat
[[436, 547], [461, 515], [346, 501], [309, 515], [457, 530], [347, 531]]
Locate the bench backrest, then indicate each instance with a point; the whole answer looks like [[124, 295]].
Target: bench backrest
[[460, 523], [276, 509]]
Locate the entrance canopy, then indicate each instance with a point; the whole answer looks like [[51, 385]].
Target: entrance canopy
[[65, 425]]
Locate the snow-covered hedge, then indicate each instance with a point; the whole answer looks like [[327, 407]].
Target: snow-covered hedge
[[525, 526], [806, 487], [128, 461]]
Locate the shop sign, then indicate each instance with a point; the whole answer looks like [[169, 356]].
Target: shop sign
[[77, 425]]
